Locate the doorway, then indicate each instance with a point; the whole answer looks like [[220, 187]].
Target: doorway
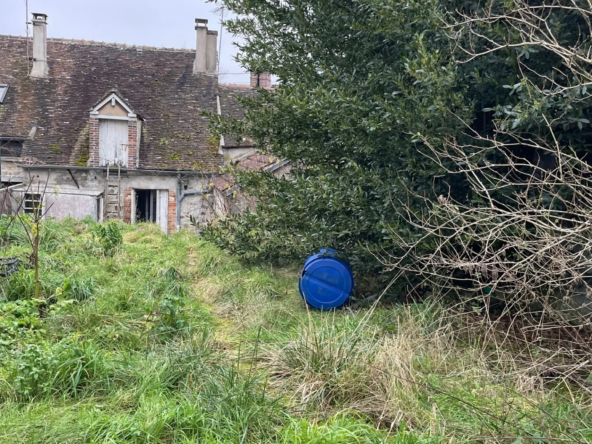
[[152, 206], [146, 206]]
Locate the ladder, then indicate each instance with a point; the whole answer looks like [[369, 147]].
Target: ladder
[[112, 199]]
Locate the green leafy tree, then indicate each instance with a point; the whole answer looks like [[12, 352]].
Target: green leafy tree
[[357, 82], [391, 110]]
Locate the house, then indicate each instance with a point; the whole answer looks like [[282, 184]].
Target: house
[[112, 131]]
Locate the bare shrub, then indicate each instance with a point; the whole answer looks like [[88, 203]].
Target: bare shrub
[[520, 251]]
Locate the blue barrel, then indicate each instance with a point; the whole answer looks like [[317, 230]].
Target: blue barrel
[[325, 281]]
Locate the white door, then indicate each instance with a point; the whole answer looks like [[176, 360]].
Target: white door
[[162, 213], [113, 142]]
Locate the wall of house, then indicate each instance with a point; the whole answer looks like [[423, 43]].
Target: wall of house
[[113, 110], [197, 206], [231, 154], [201, 207], [68, 199], [233, 201], [62, 197], [10, 172], [61, 205]]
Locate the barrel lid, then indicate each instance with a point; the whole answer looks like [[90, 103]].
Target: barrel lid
[[325, 282]]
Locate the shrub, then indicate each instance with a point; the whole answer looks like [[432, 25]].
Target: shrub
[[346, 121], [109, 235]]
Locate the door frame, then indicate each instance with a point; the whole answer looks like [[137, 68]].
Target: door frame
[[162, 204]]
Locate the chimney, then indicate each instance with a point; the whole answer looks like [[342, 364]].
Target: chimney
[[262, 80], [40, 68], [212, 52], [200, 64]]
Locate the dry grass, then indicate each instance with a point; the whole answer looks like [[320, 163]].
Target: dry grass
[[324, 361], [420, 371]]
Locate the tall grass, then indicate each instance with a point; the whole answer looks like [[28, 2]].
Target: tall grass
[[170, 340]]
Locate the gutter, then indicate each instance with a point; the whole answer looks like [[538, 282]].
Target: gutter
[[123, 170], [276, 166], [219, 109]]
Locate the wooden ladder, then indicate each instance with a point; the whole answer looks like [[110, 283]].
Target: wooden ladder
[[112, 206]]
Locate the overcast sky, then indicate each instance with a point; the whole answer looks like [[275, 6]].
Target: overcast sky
[[163, 23]]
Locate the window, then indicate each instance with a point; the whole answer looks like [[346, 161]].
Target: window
[[3, 91], [33, 204], [114, 117], [11, 146]]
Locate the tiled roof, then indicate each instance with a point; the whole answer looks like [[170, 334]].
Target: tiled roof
[[156, 82], [230, 106]]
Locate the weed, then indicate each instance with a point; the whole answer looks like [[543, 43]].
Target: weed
[[19, 285], [326, 359], [17, 319], [343, 429], [45, 369], [109, 235], [79, 289]]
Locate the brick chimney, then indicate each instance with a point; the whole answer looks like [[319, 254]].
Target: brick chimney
[[40, 67], [262, 80], [201, 31]]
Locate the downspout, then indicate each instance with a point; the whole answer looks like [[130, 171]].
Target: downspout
[[221, 143], [182, 195], [179, 198]]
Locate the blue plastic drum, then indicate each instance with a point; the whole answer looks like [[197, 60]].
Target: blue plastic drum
[[325, 281]]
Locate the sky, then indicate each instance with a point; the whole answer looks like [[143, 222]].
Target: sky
[[162, 23]]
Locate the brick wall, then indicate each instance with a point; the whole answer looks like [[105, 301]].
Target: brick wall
[[262, 80], [127, 205], [93, 146], [132, 144], [172, 223]]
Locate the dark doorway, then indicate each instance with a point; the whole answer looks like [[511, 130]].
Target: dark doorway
[[145, 206]]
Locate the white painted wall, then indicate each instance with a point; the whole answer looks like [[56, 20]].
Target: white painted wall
[[78, 206]]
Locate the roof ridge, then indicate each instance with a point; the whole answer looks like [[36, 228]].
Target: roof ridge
[[95, 43]]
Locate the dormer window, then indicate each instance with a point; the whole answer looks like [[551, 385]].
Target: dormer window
[[11, 146], [3, 91], [114, 134]]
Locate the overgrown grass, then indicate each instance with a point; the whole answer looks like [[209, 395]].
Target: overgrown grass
[[143, 338]]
